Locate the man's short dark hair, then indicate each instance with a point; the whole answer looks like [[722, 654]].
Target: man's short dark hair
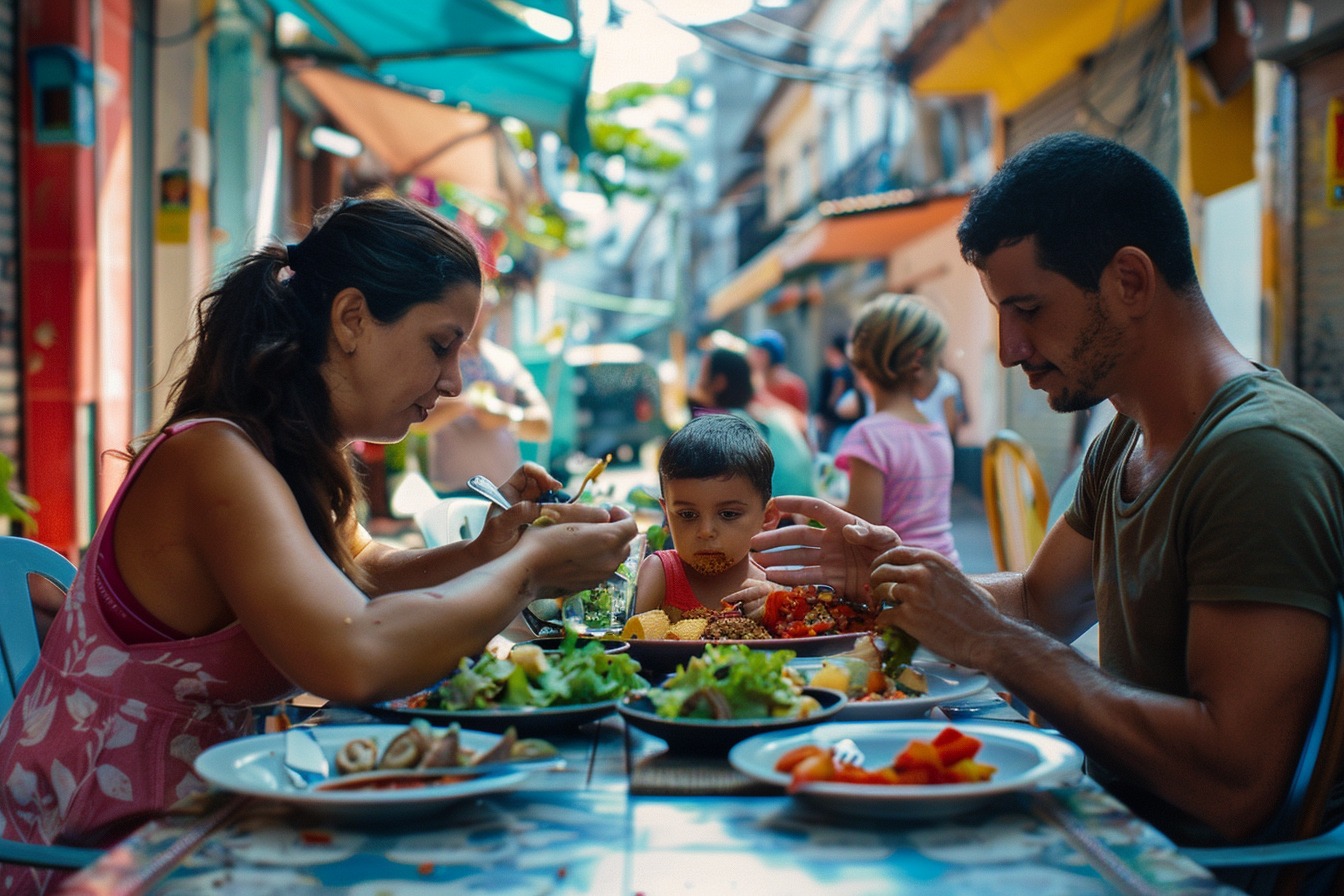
[[1083, 198], [716, 445]]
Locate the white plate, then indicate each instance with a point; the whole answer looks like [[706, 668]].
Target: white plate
[[946, 682], [255, 766], [1024, 758]]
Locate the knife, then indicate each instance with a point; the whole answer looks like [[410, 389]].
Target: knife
[[390, 777], [305, 763]]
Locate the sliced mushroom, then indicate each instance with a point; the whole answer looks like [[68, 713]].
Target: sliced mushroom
[[359, 755], [444, 752], [501, 751], [405, 749], [533, 748]]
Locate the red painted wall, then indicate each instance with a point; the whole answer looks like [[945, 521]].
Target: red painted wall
[[57, 276], [75, 306]]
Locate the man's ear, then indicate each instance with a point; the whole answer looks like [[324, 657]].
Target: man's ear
[[350, 318], [1132, 279]]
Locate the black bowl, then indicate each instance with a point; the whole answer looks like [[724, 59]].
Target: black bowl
[[714, 737], [610, 646]]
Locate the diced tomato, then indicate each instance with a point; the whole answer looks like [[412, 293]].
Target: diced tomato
[[915, 775], [947, 735], [968, 771], [953, 750], [790, 758], [813, 768], [778, 609], [857, 774], [918, 754]]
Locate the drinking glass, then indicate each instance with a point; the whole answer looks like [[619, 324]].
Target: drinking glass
[[608, 605]]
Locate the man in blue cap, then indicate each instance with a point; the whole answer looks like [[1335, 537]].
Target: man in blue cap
[[767, 356]]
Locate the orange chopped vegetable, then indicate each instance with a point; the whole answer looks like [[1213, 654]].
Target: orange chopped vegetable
[[948, 759]]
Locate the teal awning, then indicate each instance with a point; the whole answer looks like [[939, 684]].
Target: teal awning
[[520, 58]]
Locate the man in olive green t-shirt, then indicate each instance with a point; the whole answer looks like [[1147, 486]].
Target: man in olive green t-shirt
[[1206, 537]]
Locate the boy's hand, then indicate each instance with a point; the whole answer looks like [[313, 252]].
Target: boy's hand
[[750, 598]]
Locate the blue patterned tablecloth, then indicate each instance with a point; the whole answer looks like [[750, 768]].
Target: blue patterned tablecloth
[[1072, 842]]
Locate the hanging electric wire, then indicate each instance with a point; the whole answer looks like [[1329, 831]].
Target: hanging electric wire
[[872, 75]]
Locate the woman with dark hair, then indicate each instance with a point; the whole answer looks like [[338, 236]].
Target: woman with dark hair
[[230, 569], [724, 386]]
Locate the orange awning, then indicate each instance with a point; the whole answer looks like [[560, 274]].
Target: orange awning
[[414, 136], [850, 229], [836, 236], [753, 280]]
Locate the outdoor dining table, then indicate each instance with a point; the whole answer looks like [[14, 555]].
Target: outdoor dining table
[[625, 816]]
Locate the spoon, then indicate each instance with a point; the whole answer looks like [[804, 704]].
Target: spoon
[[487, 489]]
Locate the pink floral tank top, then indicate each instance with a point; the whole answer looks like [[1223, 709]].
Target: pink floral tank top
[[103, 733]]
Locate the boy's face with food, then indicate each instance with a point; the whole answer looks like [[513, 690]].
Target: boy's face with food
[[713, 520]]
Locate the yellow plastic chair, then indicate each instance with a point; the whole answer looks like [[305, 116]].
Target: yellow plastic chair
[[1017, 502], [19, 558]]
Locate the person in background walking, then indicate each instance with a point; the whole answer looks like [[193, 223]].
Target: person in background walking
[[946, 404], [834, 380], [724, 386], [769, 359], [900, 462]]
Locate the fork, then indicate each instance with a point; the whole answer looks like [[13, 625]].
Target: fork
[[591, 476], [846, 752]]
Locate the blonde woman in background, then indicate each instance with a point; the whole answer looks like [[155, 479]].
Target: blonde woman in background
[[899, 462]]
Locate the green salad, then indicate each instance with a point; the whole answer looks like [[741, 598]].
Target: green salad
[[732, 681], [581, 671]]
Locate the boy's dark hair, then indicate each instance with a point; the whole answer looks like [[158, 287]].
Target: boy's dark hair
[[1083, 198], [715, 445]]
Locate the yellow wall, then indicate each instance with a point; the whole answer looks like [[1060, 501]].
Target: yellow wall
[[1222, 136], [1025, 46]]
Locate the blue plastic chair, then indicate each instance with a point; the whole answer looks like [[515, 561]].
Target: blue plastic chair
[[18, 630], [18, 649], [1280, 864]]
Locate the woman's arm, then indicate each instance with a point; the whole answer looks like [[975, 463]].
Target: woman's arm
[[215, 535]]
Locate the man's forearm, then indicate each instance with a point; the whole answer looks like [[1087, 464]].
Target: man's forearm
[[1008, 590], [1066, 617]]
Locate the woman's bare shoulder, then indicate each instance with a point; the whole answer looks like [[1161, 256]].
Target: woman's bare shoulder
[[209, 454]]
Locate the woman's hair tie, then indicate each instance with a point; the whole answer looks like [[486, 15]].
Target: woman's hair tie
[[292, 252]]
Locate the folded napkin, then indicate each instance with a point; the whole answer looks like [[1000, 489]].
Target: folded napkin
[[676, 774]]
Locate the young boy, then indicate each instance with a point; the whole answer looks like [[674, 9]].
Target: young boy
[[715, 476]]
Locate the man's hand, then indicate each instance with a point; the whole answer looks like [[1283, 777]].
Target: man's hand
[[924, 593], [840, 555]]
